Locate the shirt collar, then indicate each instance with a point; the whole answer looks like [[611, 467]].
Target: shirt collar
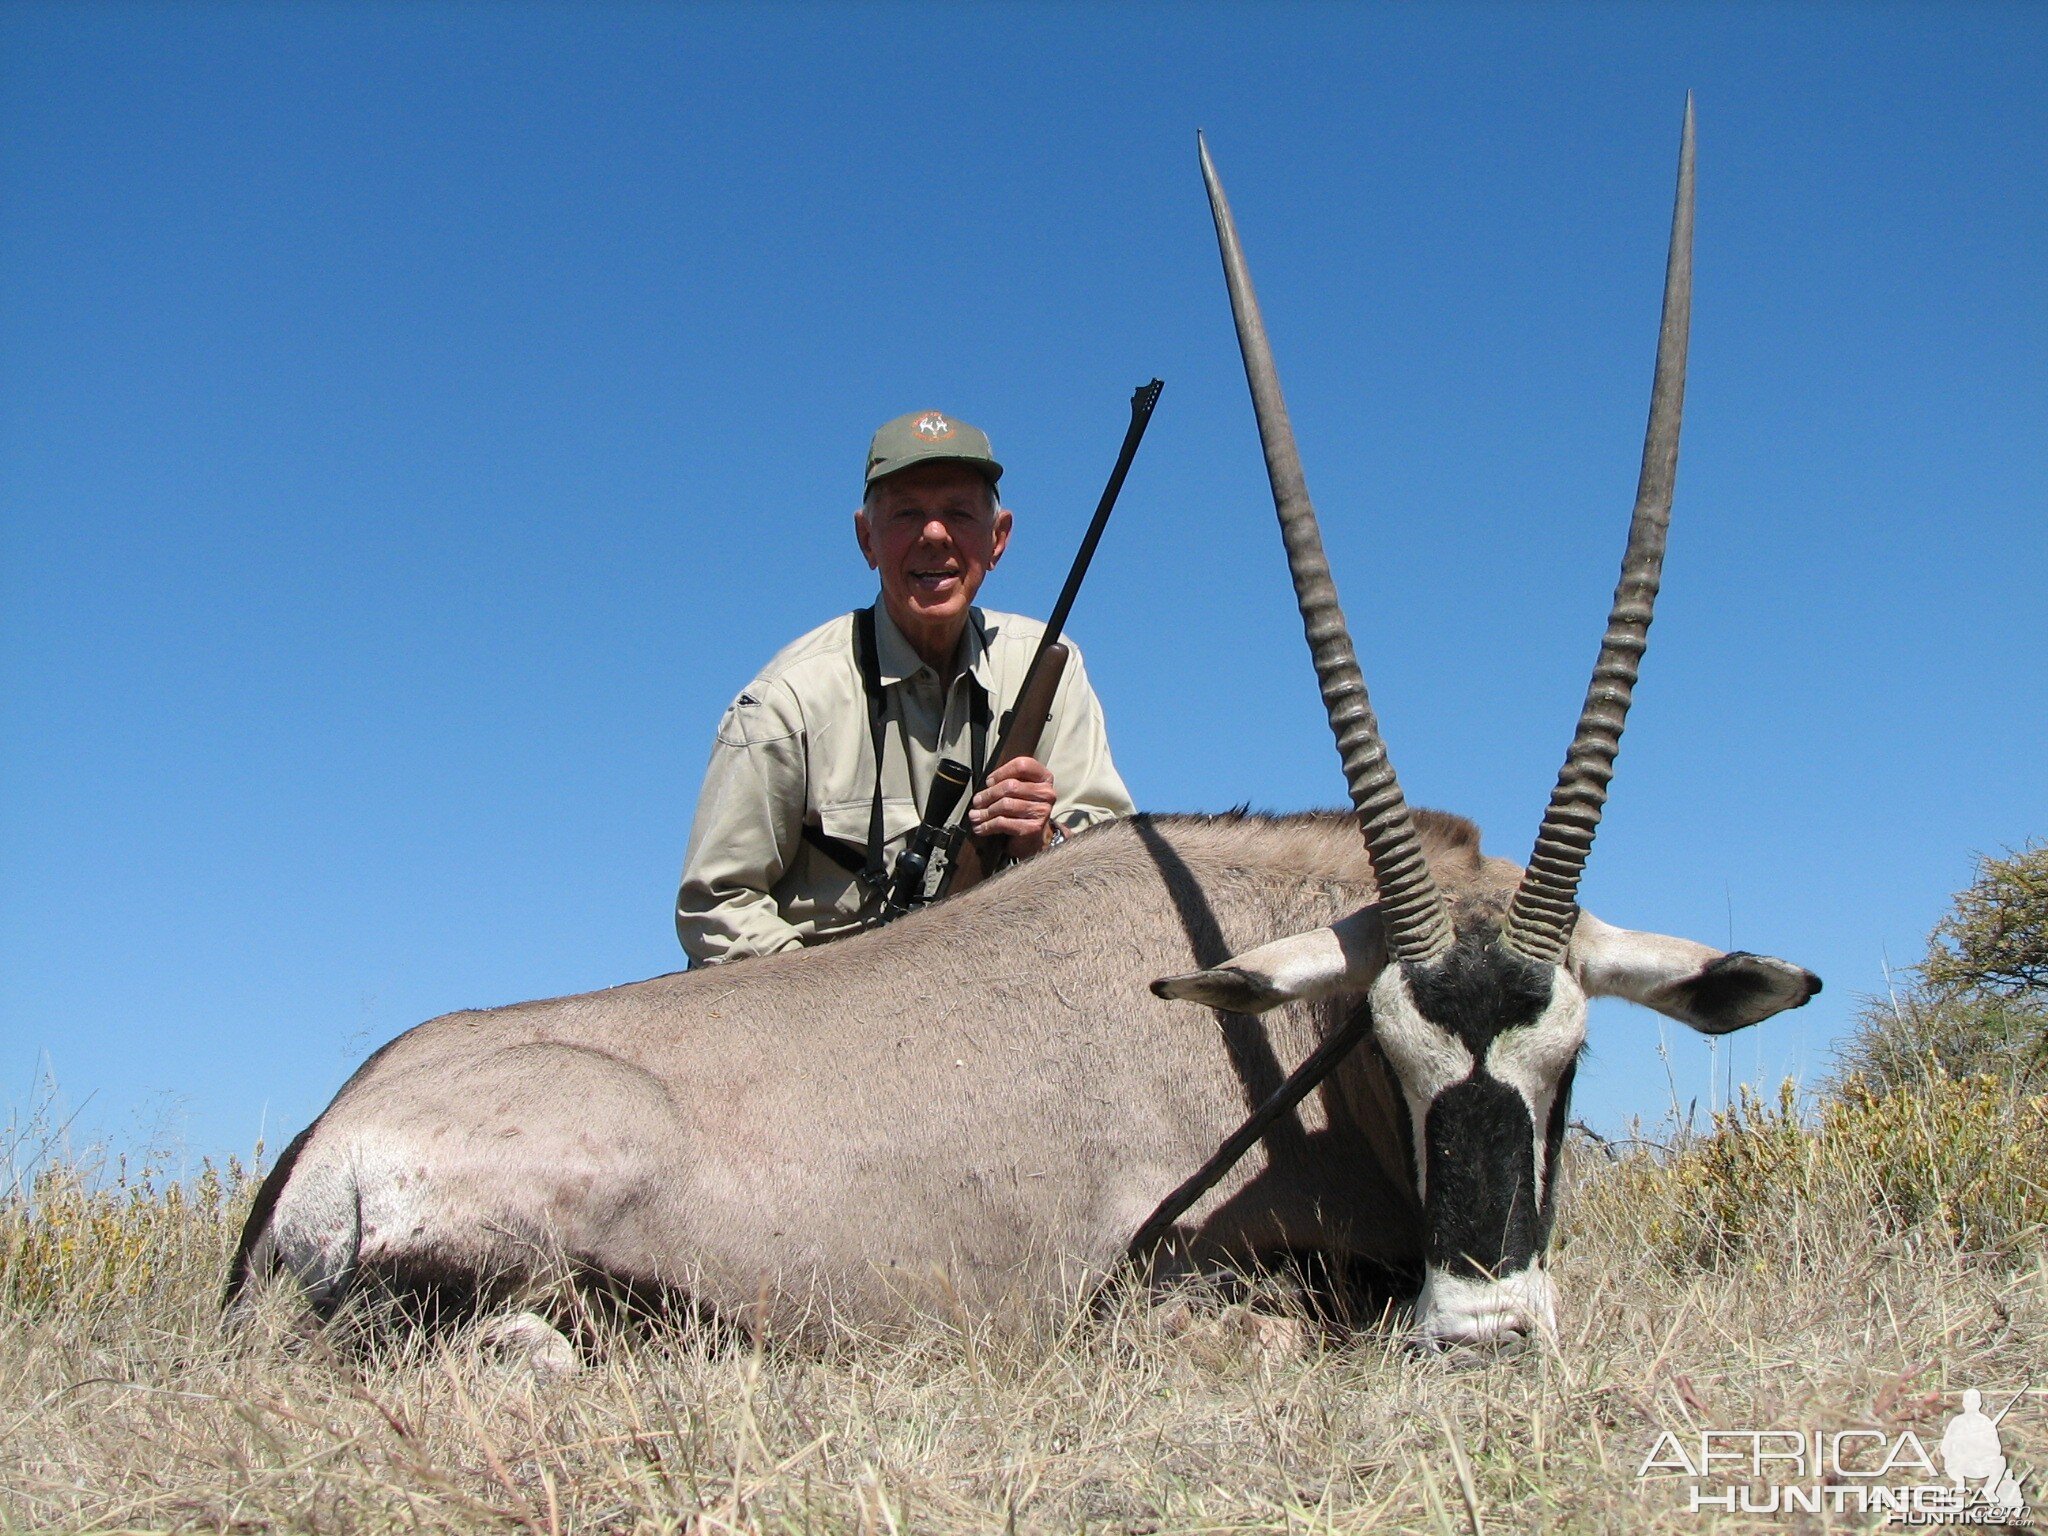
[[899, 661]]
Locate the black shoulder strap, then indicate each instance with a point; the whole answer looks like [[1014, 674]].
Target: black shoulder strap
[[869, 655], [873, 872], [845, 855]]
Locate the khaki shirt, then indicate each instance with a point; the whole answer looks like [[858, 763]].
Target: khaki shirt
[[796, 749]]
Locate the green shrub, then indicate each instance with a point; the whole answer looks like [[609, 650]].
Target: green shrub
[[1957, 1161]]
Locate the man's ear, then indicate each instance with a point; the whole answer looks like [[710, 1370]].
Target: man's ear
[[1002, 536], [1711, 991], [1345, 955], [861, 535]]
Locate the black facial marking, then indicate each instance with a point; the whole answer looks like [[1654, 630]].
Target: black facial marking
[[1479, 991], [1733, 991], [1482, 1208], [1481, 1192]]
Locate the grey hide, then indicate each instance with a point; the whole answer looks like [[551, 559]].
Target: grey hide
[[973, 1108]]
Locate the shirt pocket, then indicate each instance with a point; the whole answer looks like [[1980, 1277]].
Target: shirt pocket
[[824, 889]]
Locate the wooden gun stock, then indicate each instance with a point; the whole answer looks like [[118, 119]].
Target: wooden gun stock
[[979, 857]]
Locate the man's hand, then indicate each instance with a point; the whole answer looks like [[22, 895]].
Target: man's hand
[[1017, 804]]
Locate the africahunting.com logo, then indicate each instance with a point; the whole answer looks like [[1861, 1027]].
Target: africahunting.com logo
[[1966, 1479]]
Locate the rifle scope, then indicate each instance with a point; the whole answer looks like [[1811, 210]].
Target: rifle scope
[[906, 884]]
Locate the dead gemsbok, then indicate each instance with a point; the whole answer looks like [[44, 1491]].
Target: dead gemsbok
[[1479, 1003], [979, 1106]]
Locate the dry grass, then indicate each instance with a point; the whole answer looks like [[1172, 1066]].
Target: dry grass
[[1766, 1276]]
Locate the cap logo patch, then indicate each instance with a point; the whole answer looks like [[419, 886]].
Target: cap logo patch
[[933, 427]]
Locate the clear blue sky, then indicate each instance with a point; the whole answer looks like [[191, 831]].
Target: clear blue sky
[[420, 420]]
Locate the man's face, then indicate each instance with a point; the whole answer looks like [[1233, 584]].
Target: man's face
[[933, 534]]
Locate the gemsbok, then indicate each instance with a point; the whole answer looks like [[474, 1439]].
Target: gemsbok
[[979, 1107]]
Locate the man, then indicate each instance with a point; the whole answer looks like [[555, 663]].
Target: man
[[800, 817]]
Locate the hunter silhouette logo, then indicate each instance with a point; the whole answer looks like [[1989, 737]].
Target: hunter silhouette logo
[[1971, 1452], [933, 427], [1852, 1471]]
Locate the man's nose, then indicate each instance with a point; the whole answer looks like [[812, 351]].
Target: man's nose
[[934, 530]]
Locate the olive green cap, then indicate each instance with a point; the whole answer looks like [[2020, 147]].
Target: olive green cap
[[924, 436]]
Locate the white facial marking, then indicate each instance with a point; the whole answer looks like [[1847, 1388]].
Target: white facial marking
[[1532, 1059], [1459, 1309], [1427, 1058]]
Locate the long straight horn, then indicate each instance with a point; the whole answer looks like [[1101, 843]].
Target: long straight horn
[[1539, 922], [1416, 925]]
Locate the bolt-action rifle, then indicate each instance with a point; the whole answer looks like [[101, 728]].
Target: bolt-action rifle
[[976, 858]]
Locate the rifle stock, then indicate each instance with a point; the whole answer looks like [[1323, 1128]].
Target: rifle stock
[[979, 857]]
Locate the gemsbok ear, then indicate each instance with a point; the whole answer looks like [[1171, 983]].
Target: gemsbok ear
[[1345, 955], [1692, 983]]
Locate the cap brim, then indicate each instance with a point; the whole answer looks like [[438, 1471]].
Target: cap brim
[[988, 467]]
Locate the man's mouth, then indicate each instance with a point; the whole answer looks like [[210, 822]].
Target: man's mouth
[[937, 579]]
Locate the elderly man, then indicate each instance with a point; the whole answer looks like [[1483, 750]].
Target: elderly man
[[823, 763]]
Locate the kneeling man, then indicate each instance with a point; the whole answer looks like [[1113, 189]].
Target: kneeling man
[[823, 763]]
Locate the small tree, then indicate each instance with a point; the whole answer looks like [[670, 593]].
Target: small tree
[[1996, 939], [1979, 1003]]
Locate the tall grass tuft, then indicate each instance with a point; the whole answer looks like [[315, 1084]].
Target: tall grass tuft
[[68, 1240], [1957, 1164]]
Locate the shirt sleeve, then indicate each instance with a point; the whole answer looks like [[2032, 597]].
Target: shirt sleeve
[[748, 824], [1087, 786]]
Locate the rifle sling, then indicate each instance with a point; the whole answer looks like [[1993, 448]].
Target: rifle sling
[[873, 870]]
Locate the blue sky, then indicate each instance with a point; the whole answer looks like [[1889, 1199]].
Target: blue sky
[[419, 421]]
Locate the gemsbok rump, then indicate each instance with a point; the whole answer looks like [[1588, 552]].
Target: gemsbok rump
[[979, 1106]]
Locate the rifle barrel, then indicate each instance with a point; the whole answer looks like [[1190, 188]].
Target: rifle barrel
[[1143, 399]]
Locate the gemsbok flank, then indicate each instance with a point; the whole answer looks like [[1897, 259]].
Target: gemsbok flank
[[975, 1109]]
